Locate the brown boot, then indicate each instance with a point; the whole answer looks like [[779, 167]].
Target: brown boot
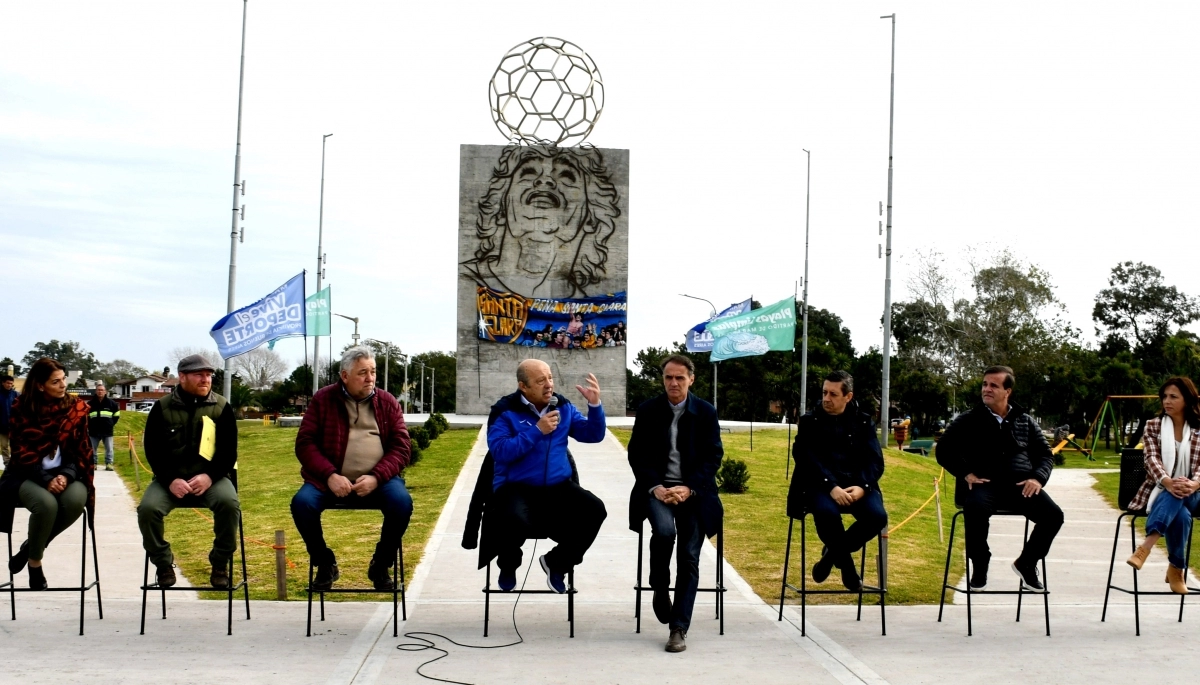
[[1139, 557], [1176, 580]]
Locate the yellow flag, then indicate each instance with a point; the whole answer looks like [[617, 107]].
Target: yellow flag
[[208, 438]]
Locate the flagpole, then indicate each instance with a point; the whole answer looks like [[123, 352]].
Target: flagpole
[[320, 261], [887, 282], [234, 236], [804, 333]]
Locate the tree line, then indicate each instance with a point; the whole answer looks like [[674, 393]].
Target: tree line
[[945, 334]]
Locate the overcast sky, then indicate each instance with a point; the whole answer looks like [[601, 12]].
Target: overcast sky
[[1064, 131]]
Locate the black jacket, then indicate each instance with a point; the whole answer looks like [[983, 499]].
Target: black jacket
[[700, 452], [174, 430], [477, 528], [103, 415], [977, 443], [817, 438]]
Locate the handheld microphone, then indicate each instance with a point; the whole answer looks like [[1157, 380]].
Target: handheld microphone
[[553, 401], [546, 470]]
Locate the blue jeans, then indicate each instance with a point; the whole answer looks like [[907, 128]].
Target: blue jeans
[[108, 453], [869, 520], [1171, 517], [666, 521], [391, 498]]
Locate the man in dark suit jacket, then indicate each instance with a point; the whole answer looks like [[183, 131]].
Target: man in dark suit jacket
[[838, 467], [674, 451]]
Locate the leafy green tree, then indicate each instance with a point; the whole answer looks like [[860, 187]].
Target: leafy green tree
[[70, 354], [7, 362], [1140, 307], [445, 376], [119, 370]]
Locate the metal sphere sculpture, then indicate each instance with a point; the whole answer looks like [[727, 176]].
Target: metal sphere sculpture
[[546, 91]]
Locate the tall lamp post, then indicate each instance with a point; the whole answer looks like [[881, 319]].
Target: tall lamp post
[[239, 188], [320, 257], [804, 332], [711, 317], [387, 359], [421, 395], [353, 337], [887, 281], [432, 387]]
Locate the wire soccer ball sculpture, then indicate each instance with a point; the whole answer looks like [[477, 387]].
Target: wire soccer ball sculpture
[[546, 91]]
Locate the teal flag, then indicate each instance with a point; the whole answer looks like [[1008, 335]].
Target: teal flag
[[756, 332], [317, 314]]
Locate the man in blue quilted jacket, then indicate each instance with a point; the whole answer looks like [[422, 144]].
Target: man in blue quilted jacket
[[532, 486]]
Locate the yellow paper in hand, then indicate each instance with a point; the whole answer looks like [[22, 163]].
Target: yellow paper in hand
[[208, 438]]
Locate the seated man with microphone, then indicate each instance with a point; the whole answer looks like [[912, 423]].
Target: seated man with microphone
[[532, 485]]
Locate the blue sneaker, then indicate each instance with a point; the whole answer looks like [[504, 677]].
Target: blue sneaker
[[507, 580], [556, 581]]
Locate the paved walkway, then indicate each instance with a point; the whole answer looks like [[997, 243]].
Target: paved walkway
[[355, 644]]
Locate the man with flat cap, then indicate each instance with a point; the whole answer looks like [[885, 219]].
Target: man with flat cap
[[191, 444]]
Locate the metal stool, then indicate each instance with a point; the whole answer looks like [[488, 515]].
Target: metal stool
[[189, 503], [84, 586], [804, 592], [488, 592], [398, 584], [719, 588], [1133, 474], [1020, 592]]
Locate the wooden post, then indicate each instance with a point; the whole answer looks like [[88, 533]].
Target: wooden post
[[137, 474], [281, 591]]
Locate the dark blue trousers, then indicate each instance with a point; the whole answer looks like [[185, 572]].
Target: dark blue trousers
[[869, 520], [391, 498]]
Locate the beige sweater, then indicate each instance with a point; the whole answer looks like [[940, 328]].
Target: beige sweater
[[364, 448]]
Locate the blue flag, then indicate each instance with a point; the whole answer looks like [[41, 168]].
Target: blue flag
[[278, 315], [698, 339]]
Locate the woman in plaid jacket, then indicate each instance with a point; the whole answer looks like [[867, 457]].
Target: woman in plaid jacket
[[1172, 452]]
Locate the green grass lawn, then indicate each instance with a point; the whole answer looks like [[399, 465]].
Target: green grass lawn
[[756, 524], [268, 476], [1108, 485]]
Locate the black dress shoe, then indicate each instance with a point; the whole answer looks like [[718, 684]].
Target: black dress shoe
[[850, 577], [165, 575], [37, 579], [823, 567], [219, 578], [380, 575], [18, 560], [662, 606]]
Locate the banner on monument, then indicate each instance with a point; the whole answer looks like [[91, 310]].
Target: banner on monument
[[278, 315], [698, 339], [563, 324], [317, 310], [755, 332]]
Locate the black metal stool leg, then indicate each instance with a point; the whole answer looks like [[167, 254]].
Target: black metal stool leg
[[1020, 584], [403, 584], [721, 575], [1112, 562], [862, 577], [12, 584], [637, 588], [1046, 596], [571, 599], [96, 569], [803, 574], [1137, 618], [145, 584], [946, 574], [881, 567], [787, 555], [309, 590], [487, 598], [82, 573], [245, 577]]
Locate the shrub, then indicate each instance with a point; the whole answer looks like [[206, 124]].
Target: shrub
[[442, 424], [733, 476], [420, 437], [432, 428], [415, 455]]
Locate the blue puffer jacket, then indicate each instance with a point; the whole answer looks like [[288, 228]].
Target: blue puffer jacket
[[7, 398], [523, 455]]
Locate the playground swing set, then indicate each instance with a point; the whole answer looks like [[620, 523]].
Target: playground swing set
[[1107, 413]]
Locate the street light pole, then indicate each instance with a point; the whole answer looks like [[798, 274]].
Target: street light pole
[[320, 258], [238, 188], [711, 317], [432, 387], [804, 332], [421, 397], [407, 398], [353, 337], [887, 282]]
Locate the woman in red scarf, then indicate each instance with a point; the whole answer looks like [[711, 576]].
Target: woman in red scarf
[[51, 469]]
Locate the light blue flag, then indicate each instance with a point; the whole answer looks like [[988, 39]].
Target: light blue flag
[[698, 339], [278, 315]]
